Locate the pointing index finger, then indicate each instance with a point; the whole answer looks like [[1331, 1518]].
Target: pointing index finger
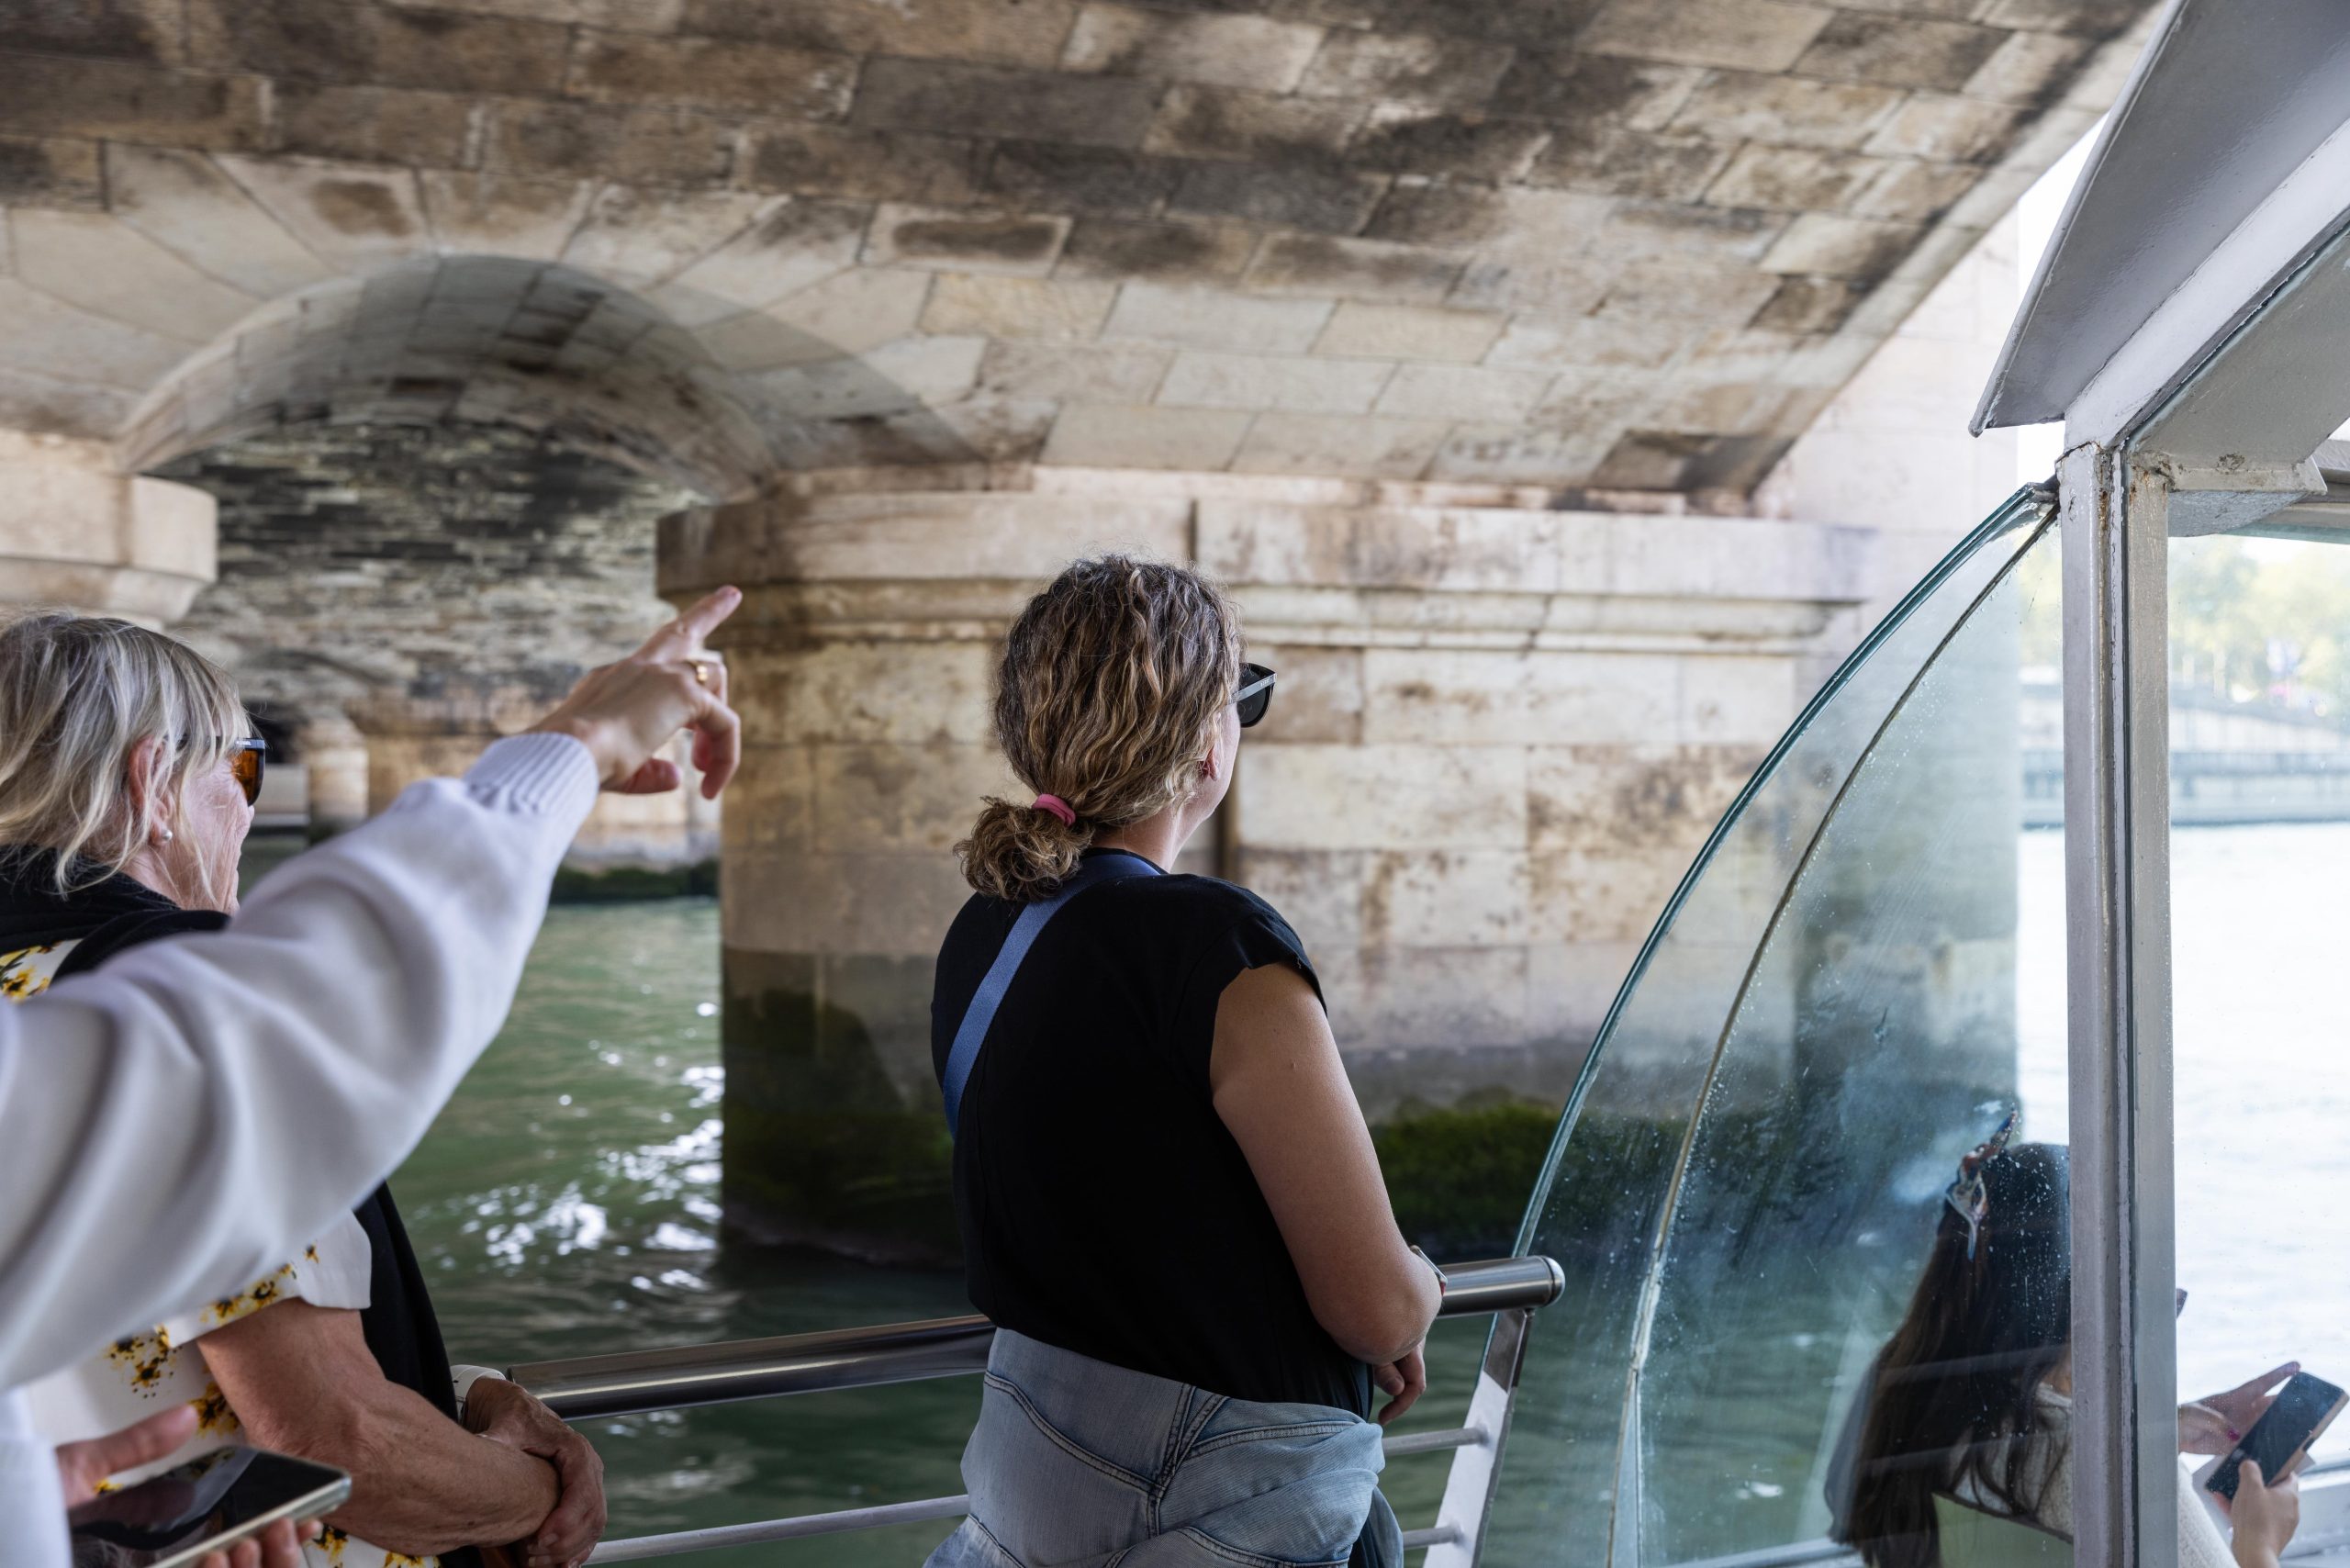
[[685, 635]]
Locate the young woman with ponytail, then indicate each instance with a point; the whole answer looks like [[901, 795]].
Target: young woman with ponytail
[[1169, 1200]]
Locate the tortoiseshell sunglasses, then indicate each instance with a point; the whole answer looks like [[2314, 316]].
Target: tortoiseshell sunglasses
[[248, 760]]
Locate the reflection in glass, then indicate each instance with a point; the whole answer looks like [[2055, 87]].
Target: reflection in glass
[[1958, 1449], [1751, 1175]]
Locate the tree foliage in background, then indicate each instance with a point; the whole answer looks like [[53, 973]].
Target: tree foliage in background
[[2261, 621], [2256, 620]]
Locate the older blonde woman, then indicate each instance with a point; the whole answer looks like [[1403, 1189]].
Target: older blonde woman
[[124, 804]]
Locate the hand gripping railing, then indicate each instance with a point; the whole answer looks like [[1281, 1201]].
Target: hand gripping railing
[[588, 1387]]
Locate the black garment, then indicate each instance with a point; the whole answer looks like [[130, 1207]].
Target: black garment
[[1103, 1207], [118, 913], [33, 913]]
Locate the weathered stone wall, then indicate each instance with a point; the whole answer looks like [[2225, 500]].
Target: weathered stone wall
[[1621, 245], [76, 530], [391, 598], [1501, 731], [363, 560]]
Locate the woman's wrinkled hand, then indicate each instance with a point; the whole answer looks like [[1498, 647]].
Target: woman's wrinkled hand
[[2217, 1422], [625, 712], [505, 1413], [2264, 1517], [1403, 1382]]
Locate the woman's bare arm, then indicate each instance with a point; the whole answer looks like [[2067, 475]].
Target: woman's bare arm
[[301, 1380], [1282, 1091]]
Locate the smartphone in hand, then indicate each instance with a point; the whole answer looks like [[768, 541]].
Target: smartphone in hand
[[2305, 1406], [210, 1503]]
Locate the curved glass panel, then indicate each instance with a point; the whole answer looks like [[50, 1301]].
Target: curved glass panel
[[1752, 1169]]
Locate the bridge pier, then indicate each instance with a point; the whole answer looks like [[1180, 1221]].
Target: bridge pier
[[1501, 731], [77, 531]]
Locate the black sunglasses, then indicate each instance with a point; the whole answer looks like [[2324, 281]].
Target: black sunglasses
[[248, 760], [1256, 693]]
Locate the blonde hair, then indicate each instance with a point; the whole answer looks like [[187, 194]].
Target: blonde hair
[[1111, 681], [77, 694]]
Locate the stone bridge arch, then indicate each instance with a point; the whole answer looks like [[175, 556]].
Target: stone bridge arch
[[714, 337], [1554, 379]]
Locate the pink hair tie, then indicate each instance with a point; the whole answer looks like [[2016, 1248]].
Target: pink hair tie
[[1058, 806]]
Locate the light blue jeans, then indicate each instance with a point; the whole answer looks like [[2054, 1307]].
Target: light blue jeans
[[1077, 1463]]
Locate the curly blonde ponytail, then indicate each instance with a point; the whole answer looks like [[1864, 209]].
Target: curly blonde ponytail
[[1110, 682]]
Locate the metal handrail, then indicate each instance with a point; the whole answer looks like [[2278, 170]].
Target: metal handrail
[[587, 1387], [633, 1382]]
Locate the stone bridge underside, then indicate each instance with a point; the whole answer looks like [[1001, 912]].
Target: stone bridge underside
[[1455, 334], [1607, 244]]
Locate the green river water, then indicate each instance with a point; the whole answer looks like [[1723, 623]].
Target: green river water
[[566, 1204]]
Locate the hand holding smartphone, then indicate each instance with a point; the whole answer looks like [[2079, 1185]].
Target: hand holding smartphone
[[2278, 1441], [209, 1504]]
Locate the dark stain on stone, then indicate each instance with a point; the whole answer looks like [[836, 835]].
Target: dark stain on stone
[[360, 207], [1315, 261], [1647, 460], [121, 29], [49, 174], [425, 388], [821, 1146], [780, 225], [1299, 197], [1625, 162], [1439, 214], [1689, 461], [1459, 146], [1185, 250], [1532, 24], [1582, 88], [1731, 224], [1807, 304], [1054, 178], [1735, 463], [1013, 239]]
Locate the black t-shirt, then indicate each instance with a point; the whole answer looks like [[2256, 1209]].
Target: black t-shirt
[[1103, 1207]]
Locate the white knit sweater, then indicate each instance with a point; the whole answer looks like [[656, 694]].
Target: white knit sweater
[[337, 1011]]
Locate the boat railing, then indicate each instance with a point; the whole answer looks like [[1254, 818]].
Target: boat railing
[[633, 1382]]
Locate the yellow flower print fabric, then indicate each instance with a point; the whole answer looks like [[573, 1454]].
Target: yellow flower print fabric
[[142, 1374]]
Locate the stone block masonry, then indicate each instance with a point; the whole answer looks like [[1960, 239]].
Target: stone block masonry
[[1408, 185]]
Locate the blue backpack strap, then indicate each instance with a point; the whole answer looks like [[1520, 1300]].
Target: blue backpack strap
[[973, 1030]]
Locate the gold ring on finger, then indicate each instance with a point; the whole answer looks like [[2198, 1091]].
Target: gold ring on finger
[[702, 671]]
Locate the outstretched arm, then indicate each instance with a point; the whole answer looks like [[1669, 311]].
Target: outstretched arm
[[173, 1124]]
